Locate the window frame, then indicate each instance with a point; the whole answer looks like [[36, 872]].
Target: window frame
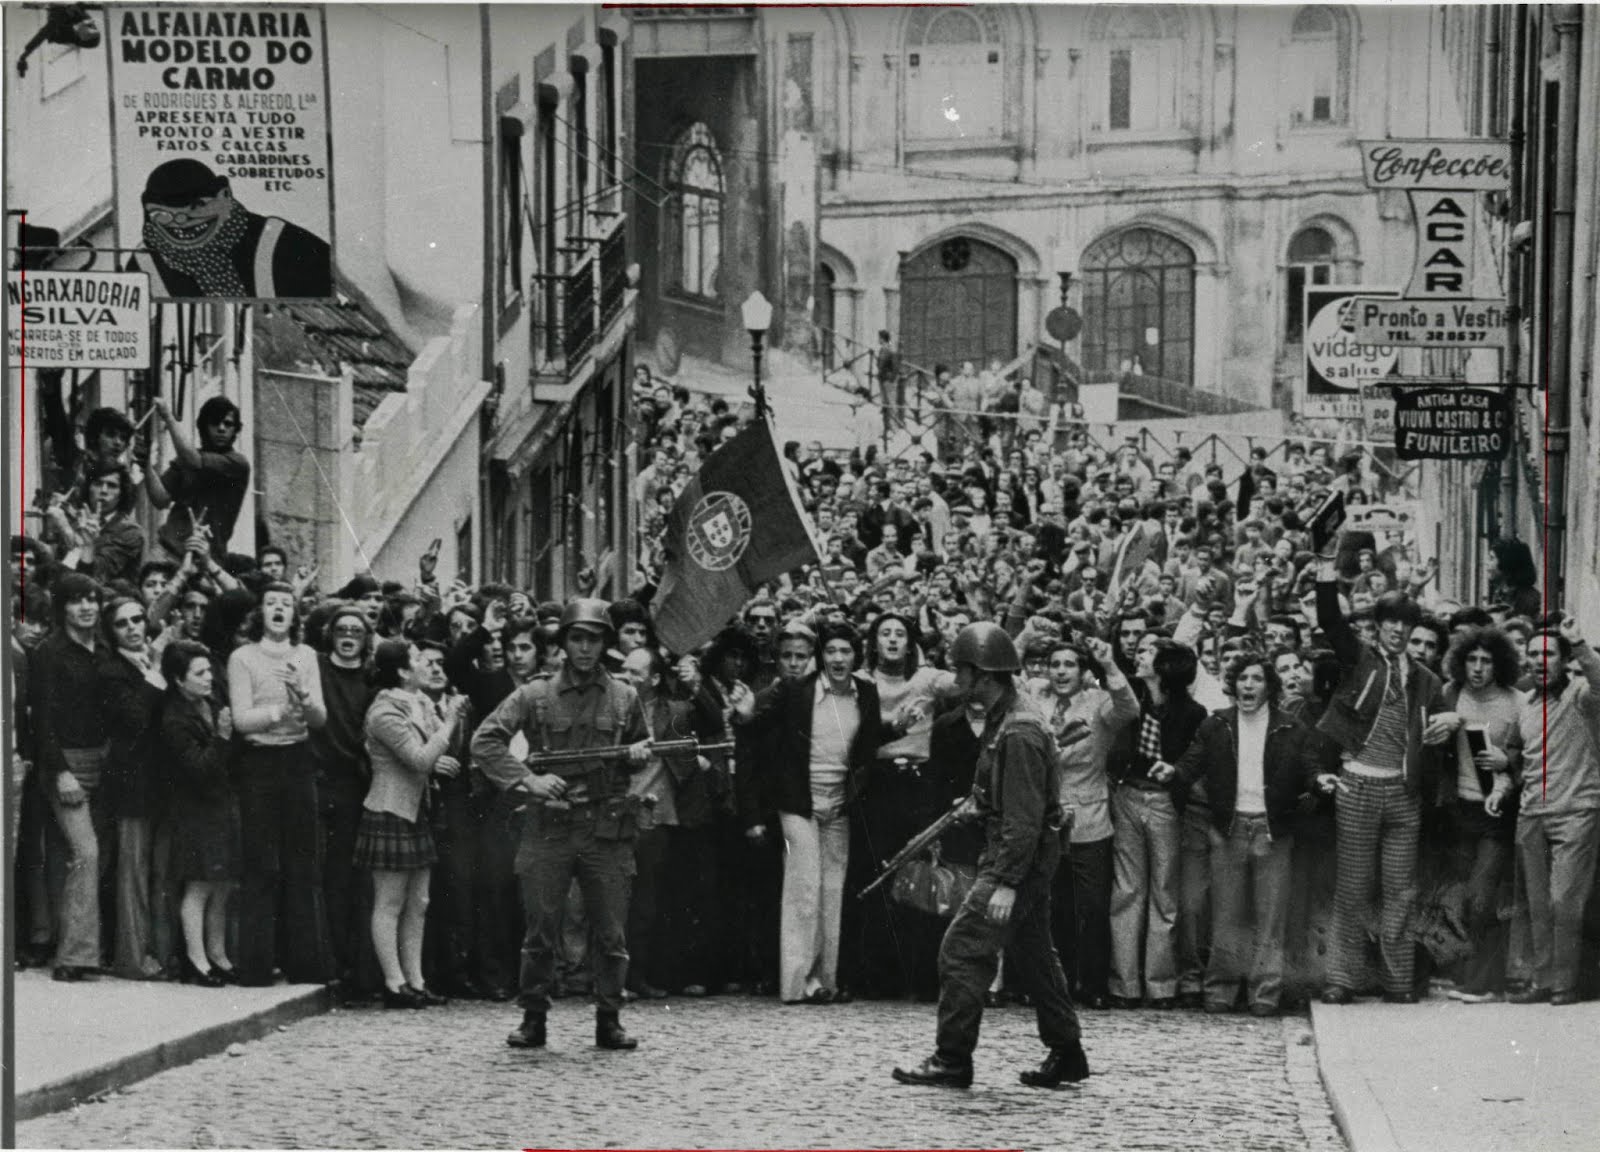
[[1305, 47], [1155, 63], [1294, 288], [992, 41], [694, 141], [1097, 287]]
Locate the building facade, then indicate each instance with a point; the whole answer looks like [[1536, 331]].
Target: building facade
[[560, 296], [466, 381], [1190, 167], [1530, 75]]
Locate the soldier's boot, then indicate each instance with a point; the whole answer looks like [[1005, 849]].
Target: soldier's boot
[[1061, 1066], [530, 1033], [609, 1033]]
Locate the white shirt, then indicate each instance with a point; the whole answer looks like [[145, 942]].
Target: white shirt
[[1252, 793]]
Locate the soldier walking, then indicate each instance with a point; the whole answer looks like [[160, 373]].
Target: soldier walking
[[581, 822], [1016, 792]]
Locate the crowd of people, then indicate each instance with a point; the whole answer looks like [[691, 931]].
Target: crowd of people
[[229, 776]]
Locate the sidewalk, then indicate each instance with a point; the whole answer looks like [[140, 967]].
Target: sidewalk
[[1443, 1075], [76, 1041]]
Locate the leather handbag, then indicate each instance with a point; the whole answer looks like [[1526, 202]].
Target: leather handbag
[[930, 885]]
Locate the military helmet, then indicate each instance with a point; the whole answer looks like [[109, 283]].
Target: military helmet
[[586, 610], [986, 646]]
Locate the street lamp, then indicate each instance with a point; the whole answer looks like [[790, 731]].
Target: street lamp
[[757, 311]]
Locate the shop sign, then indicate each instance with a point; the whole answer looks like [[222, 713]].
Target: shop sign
[[1336, 365], [1445, 234], [1437, 165], [221, 157], [1430, 323], [1451, 424], [78, 319], [1377, 414]]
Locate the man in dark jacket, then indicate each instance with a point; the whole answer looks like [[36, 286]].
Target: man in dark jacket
[[1257, 763], [1381, 715], [1016, 793]]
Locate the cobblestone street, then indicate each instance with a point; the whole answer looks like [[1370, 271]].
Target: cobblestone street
[[719, 1073]]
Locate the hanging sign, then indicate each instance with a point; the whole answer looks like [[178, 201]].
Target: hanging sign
[[1445, 232], [1377, 413], [1336, 365], [1451, 424], [78, 319], [1397, 518], [1437, 165], [1430, 323], [221, 157]]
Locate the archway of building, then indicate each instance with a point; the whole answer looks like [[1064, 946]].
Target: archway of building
[[958, 301]]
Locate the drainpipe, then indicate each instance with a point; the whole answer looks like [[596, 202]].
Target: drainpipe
[[1558, 397], [488, 517]]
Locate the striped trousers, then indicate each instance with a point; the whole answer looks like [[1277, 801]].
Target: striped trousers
[[1377, 823]]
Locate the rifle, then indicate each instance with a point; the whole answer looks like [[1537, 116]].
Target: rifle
[[959, 811], [620, 752]]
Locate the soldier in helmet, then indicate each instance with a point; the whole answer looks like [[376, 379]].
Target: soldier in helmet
[[581, 822], [1015, 792]]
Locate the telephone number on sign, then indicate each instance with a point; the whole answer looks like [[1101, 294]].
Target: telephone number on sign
[[1454, 336]]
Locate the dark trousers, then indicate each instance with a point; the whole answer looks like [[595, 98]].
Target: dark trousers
[[498, 920], [346, 889], [282, 916], [697, 918], [1081, 897], [1378, 822], [970, 956], [555, 850], [451, 913], [650, 944], [758, 872], [1483, 848]]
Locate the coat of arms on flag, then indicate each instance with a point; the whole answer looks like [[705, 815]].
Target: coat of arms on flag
[[737, 524], [719, 531]]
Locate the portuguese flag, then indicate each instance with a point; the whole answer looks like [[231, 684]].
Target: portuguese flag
[[736, 525]]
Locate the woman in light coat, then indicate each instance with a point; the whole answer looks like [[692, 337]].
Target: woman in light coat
[[406, 738]]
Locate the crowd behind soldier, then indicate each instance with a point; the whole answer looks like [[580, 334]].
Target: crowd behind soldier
[[230, 775]]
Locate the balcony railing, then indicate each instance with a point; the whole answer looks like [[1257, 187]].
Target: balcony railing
[[581, 304], [613, 275], [579, 330]]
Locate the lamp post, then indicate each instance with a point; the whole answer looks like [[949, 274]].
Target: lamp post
[[757, 311]]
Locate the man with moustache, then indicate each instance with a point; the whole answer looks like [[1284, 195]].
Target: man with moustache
[[200, 241]]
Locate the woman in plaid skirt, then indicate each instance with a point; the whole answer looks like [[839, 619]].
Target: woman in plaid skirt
[[406, 742]]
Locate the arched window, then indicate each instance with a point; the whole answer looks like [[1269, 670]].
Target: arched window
[[955, 75], [1311, 258], [694, 233], [1138, 306], [1136, 77], [1318, 66]]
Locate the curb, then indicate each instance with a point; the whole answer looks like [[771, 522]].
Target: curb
[[83, 1086], [1357, 1112]]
